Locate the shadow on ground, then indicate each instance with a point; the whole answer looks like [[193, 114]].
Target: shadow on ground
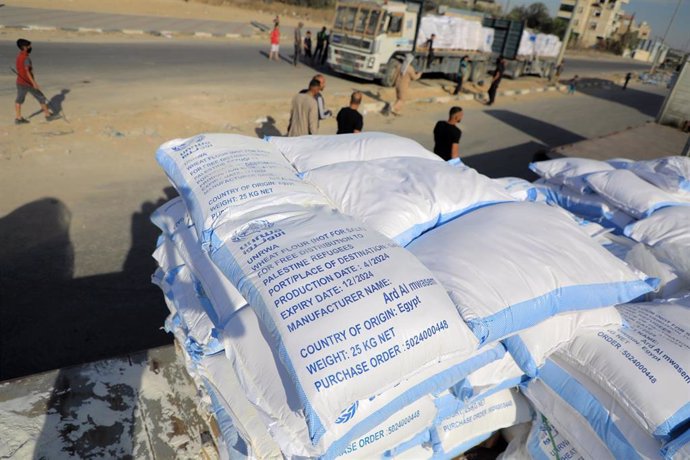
[[48, 318], [511, 161], [646, 102], [549, 134]]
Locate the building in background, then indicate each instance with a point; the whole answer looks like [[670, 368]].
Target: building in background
[[599, 21], [650, 51]]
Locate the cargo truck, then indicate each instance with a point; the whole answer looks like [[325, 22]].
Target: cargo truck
[[369, 40]]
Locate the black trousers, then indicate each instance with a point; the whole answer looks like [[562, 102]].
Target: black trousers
[[458, 88], [318, 51], [492, 92]]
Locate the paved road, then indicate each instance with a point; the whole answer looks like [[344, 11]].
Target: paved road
[[589, 66], [207, 62], [103, 312]]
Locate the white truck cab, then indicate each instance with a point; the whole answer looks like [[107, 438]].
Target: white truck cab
[[366, 35]]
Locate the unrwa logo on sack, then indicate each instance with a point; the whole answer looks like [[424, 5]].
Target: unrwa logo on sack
[[187, 143], [250, 228], [346, 415]]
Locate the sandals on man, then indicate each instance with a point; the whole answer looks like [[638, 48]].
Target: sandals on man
[[20, 121]]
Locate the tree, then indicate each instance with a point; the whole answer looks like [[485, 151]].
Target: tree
[[536, 16]]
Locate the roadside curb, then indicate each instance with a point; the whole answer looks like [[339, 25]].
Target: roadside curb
[[379, 106], [155, 33]]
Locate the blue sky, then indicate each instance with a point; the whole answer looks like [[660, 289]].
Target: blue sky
[[656, 12]]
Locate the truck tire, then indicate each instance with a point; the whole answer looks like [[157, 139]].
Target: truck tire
[[391, 73]]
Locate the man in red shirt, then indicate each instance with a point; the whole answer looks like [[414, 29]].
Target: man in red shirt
[[275, 43], [26, 83]]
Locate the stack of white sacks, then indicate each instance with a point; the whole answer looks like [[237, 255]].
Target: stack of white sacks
[[455, 33], [538, 44], [355, 296]]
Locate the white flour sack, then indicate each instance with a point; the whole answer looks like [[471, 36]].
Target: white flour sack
[[667, 231], [352, 313], [505, 273], [403, 197], [222, 176], [309, 152], [637, 197], [267, 384], [671, 174], [589, 206], [542, 442], [523, 190], [570, 172], [644, 365], [218, 372], [477, 421], [407, 428], [197, 325], [531, 347], [172, 218], [597, 425], [495, 376]]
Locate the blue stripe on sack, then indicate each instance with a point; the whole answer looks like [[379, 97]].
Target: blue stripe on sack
[[406, 237], [416, 440], [521, 354], [443, 379], [671, 449], [525, 314], [596, 415], [674, 424], [177, 178], [663, 204]]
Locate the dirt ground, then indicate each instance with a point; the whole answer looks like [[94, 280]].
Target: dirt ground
[[217, 10]]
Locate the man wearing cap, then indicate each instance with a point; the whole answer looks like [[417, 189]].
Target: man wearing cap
[[26, 83]]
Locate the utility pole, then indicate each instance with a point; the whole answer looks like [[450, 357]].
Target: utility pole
[[566, 36], [663, 40]]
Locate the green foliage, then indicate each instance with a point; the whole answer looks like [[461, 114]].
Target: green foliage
[[537, 17]]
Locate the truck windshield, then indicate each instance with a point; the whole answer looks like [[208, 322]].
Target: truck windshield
[[359, 20], [345, 18], [373, 22]]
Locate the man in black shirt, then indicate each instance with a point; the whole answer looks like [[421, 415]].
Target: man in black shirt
[[349, 119], [447, 135], [498, 75]]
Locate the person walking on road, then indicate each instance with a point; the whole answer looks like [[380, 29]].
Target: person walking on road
[[326, 43], [572, 84], [26, 83], [496, 80], [350, 121], [304, 113], [463, 73], [430, 50], [447, 135], [298, 43], [402, 83], [628, 76], [307, 46], [275, 43], [320, 41]]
